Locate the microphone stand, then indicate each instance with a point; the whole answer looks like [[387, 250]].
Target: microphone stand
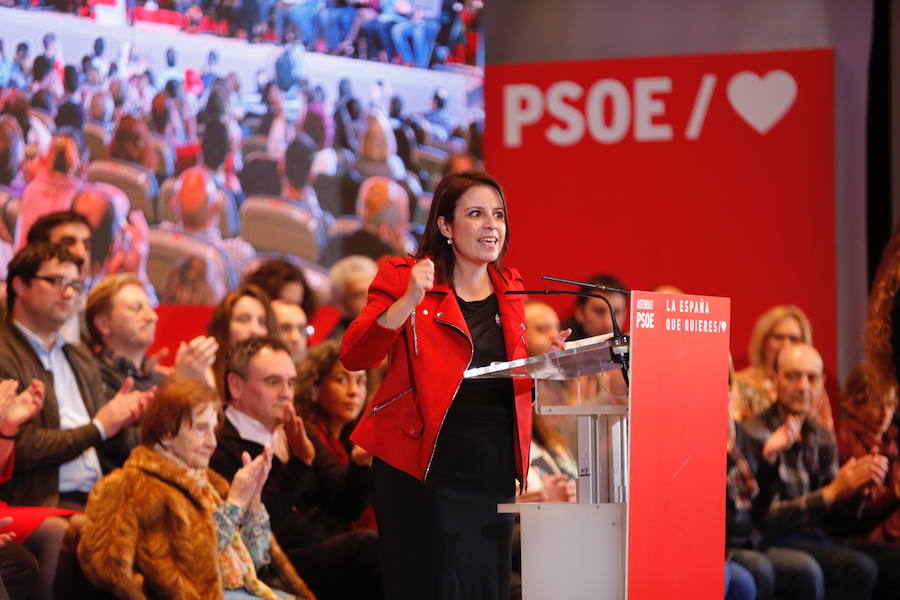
[[619, 343]]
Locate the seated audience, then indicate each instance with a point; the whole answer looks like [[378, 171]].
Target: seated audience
[[197, 210], [57, 458], [297, 188], [868, 427], [414, 37], [120, 240], [439, 115], [133, 144], [776, 328], [311, 498], [350, 281], [282, 280], [319, 126], [165, 522], [383, 207], [29, 533], [121, 323], [12, 157], [777, 571], [330, 398], [378, 149], [73, 232], [810, 495], [591, 316], [293, 328], [244, 313], [53, 188]]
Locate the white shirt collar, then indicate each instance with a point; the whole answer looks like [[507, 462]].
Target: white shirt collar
[[249, 428]]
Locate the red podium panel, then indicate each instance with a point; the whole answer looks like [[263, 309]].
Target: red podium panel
[[679, 399]]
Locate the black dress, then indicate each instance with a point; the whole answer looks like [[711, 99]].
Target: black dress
[[443, 539]]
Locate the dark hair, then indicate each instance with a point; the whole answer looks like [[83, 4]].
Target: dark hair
[[212, 58], [17, 107], [220, 321], [173, 403], [99, 46], [604, 279], [446, 197], [298, 160], [440, 98], [40, 230], [12, 149], [40, 67], [171, 57], [173, 88], [319, 125], [86, 63], [239, 357], [49, 38], [71, 115], [27, 262], [70, 79], [311, 372], [216, 144], [273, 275], [22, 48], [159, 112], [395, 109], [215, 104], [44, 100]]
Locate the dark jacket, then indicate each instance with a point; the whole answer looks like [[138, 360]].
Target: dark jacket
[[41, 447], [427, 358], [306, 504]]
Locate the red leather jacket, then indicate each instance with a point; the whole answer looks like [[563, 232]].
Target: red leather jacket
[[427, 357]]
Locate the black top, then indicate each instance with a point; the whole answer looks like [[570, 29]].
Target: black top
[[475, 448]]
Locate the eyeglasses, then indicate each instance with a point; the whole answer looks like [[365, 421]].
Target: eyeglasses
[[62, 283]]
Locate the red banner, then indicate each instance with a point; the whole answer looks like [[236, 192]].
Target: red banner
[[678, 429], [712, 173]]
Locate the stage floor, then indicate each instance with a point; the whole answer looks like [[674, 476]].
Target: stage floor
[[77, 35]]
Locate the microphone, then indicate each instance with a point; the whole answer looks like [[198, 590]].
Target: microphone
[[596, 286], [619, 347]]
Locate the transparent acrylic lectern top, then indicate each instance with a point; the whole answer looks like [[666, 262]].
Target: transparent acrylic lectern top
[[582, 381]]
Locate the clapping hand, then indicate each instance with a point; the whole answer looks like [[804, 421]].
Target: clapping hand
[[295, 431], [782, 438], [7, 536], [248, 481], [17, 409], [125, 408], [194, 358]]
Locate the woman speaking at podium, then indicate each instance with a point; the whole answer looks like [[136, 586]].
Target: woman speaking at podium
[[446, 450]]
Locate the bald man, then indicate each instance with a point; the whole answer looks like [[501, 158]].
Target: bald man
[[808, 494], [383, 208], [197, 208]]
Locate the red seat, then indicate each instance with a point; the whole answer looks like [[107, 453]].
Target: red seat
[[178, 323]]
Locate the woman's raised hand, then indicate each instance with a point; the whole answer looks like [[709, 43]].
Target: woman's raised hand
[[421, 279]]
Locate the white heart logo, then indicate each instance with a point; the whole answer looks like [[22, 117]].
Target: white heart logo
[[762, 101], [724, 326]]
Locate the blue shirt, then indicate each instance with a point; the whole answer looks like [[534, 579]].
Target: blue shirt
[[81, 473]]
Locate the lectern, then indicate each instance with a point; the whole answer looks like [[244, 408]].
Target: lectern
[[649, 520]]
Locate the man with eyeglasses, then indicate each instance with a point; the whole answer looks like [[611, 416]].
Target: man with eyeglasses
[[293, 327], [808, 495], [73, 232], [58, 452]]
